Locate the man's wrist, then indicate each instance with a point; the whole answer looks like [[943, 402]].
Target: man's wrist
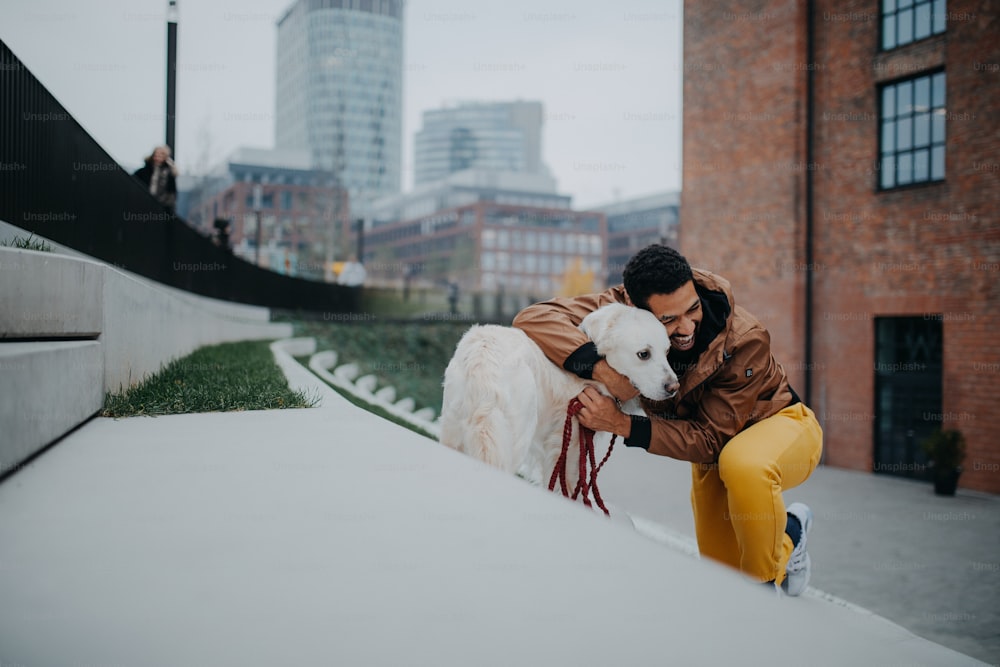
[[625, 429], [599, 370]]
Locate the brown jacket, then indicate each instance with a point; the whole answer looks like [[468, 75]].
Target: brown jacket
[[735, 383]]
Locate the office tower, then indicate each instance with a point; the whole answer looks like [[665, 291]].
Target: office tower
[[339, 90], [491, 136]]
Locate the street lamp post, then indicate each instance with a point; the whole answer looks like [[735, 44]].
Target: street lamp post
[[171, 73], [258, 193]]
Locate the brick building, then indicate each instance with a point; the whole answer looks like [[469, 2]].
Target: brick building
[[489, 247], [303, 215], [636, 223], [841, 169]]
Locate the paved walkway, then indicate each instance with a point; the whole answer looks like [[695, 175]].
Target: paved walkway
[[330, 536], [927, 562]]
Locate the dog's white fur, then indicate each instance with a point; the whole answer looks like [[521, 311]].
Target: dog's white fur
[[505, 402]]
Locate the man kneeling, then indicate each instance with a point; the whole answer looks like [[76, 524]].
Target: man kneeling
[[735, 418]]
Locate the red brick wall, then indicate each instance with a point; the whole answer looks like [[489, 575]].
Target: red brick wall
[[744, 159], [928, 249]]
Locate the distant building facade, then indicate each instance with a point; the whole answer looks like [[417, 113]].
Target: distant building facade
[[490, 136], [493, 231], [468, 187], [304, 222], [840, 168], [636, 223], [489, 247], [339, 91]]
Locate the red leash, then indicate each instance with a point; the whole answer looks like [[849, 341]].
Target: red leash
[[585, 483]]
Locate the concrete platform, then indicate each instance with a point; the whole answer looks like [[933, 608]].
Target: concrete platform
[[330, 536], [929, 563], [39, 404]]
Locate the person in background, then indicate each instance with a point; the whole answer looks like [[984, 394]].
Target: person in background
[[159, 174]]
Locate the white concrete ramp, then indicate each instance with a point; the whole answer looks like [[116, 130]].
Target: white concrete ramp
[[328, 536]]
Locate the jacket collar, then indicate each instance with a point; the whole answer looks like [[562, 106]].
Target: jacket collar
[[716, 354]]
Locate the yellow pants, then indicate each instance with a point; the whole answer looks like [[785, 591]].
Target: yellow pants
[[739, 514]]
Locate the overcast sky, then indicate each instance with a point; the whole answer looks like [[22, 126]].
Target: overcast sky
[[607, 71]]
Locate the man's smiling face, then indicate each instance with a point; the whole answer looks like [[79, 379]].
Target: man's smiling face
[[680, 312]]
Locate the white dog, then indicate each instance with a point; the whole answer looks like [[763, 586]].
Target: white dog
[[505, 403]]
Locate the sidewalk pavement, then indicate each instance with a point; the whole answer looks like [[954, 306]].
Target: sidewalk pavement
[[889, 545], [331, 536]]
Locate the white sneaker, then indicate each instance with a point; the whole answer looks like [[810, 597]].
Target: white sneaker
[[799, 565]]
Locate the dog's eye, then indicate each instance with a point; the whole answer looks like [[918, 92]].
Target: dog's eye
[[643, 354]]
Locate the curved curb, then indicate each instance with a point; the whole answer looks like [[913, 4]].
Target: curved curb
[[321, 363]]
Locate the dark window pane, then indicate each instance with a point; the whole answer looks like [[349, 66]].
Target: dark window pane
[[888, 137], [903, 4], [904, 174], [923, 26], [937, 163], [922, 94], [888, 6], [937, 126], [904, 98], [921, 129], [938, 89], [904, 133], [888, 174], [888, 102], [889, 33], [921, 166], [939, 16], [905, 26]]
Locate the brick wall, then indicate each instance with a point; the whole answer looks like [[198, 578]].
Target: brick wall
[[744, 159], [927, 249]]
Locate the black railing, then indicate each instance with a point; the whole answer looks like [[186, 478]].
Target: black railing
[[57, 181]]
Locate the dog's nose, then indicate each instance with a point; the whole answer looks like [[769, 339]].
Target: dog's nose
[[672, 388]]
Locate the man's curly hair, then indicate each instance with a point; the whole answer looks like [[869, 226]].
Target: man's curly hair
[[656, 269]]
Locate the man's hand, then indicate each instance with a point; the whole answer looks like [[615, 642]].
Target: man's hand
[[600, 413], [619, 385]]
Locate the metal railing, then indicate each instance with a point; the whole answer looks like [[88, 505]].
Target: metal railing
[[57, 181]]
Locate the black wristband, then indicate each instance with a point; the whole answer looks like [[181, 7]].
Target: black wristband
[[581, 362], [641, 434]]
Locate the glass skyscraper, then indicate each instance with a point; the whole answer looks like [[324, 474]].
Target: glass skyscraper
[[492, 136], [339, 91]]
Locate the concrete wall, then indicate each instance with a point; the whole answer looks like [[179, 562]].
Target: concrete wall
[[72, 328]]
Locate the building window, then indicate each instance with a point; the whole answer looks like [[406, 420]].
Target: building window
[[905, 21], [911, 145]]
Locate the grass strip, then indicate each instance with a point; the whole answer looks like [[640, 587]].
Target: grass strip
[[26, 243], [218, 378]]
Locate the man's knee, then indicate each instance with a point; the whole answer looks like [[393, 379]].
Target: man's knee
[[744, 465]]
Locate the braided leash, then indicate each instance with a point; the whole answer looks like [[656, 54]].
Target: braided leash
[[584, 484]]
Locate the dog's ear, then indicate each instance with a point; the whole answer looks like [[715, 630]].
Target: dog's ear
[[598, 323]]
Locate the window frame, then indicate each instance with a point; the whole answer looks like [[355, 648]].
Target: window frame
[[883, 14], [912, 148]]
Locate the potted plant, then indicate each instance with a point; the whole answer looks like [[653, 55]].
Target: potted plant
[[946, 450]]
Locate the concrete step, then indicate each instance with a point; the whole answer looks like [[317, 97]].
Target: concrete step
[[46, 295], [46, 389]]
